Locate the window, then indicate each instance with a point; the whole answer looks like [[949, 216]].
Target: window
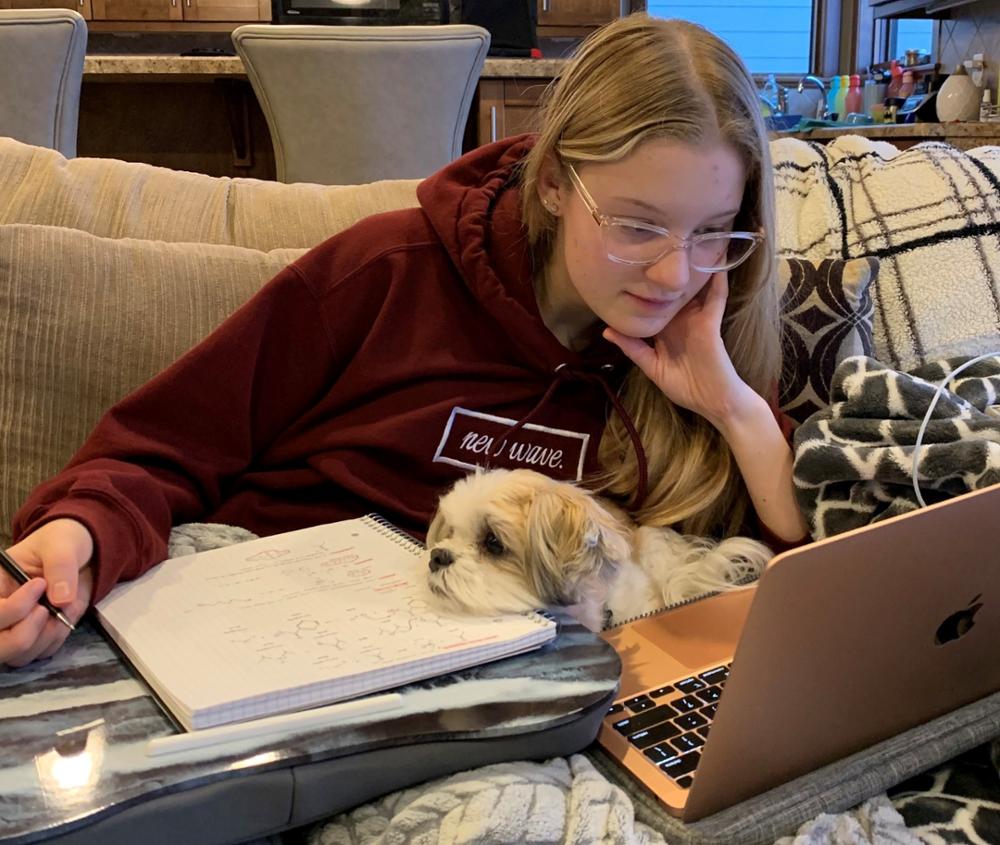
[[771, 36], [911, 34]]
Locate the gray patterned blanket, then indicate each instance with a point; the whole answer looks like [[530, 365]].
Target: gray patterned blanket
[[854, 459]]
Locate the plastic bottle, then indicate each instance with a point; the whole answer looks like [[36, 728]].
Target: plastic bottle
[[845, 86], [831, 96], [771, 91], [985, 106], [908, 85], [895, 81], [854, 101]]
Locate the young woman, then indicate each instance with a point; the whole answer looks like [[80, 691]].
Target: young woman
[[596, 303]]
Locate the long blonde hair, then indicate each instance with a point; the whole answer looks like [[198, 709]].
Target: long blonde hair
[[636, 79]]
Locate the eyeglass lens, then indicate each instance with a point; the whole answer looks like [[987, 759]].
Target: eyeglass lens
[[707, 253]]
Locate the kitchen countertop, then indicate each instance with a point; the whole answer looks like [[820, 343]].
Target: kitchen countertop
[[894, 131], [117, 65]]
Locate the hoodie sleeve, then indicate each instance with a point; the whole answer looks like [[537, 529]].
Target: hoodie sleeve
[[164, 454]]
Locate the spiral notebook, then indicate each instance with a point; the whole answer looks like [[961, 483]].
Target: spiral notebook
[[298, 620]]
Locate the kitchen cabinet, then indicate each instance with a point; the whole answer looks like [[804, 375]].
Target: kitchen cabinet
[[82, 6], [138, 10], [180, 11], [578, 14], [915, 8], [227, 10], [507, 107]]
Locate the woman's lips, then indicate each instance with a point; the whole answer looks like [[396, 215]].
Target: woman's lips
[[661, 302]]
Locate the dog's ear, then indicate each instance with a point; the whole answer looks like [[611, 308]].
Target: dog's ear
[[571, 540]]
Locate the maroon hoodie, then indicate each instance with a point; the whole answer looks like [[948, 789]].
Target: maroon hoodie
[[368, 376]]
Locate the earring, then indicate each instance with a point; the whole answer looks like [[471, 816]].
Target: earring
[[551, 208]]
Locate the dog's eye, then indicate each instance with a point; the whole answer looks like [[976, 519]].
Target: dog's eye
[[492, 544]]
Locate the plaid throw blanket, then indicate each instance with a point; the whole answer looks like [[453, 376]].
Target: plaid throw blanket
[[853, 460], [929, 214]]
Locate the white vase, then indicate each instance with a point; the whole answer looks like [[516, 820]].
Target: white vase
[[958, 98]]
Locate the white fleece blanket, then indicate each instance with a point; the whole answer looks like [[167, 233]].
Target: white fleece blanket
[[558, 802]]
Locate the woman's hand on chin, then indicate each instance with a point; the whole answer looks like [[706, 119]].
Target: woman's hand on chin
[[688, 360]]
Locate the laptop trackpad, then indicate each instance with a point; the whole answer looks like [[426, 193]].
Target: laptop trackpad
[[680, 641]]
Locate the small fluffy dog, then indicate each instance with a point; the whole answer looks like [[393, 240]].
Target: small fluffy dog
[[514, 540]]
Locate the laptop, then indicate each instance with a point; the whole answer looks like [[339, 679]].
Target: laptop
[[840, 644]]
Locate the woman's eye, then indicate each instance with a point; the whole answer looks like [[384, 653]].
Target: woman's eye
[[493, 545]]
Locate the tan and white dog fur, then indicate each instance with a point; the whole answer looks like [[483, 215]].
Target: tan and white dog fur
[[514, 540]]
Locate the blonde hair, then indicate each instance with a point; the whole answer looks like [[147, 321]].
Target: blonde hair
[[636, 79]]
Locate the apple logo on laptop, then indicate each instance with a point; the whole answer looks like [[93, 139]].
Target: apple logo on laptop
[[959, 623]]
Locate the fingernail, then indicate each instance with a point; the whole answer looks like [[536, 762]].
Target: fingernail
[[60, 591]]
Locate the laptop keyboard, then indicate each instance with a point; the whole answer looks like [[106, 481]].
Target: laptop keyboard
[[669, 724]]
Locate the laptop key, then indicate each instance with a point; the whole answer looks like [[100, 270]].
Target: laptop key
[[659, 753], [617, 707], [640, 703], [703, 731], [708, 711], [662, 691], [709, 695], [716, 675], [689, 685], [687, 742], [654, 734], [689, 721], [683, 705], [641, 721], [685, 781], [682, 765]]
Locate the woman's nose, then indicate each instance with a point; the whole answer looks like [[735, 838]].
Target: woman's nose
[[673, 271]]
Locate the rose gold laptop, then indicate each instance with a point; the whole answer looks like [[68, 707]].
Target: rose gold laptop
[[841, 644]]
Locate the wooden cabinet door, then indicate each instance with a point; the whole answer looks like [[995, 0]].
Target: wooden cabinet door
[[138, 10], [227, 10], [81, 6], [577, 12], [507, 107]]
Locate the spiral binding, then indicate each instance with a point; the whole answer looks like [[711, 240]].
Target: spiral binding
[[394, 533], [746, 579]]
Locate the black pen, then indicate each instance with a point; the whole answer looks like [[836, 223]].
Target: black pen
[[14, 571]]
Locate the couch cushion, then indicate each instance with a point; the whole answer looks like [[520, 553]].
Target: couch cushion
[[930, 214], [826, 316], [84, 320], [117, 199]]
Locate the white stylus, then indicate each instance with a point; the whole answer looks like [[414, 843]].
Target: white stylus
[[318, 717]]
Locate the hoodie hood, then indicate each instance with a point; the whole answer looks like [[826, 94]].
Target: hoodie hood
[[474, 206]]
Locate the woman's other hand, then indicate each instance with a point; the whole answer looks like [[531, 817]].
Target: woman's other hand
[[56, 555], [688, 360]]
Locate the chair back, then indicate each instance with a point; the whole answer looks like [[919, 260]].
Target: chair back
[[347, 105], [41, 68]]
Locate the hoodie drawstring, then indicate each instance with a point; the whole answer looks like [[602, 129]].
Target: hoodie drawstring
[[564, 372]]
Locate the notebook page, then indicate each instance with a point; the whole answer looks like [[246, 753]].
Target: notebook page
[[269, 617]]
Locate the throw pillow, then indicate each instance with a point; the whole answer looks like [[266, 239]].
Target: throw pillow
[[826, 316], [85, 320]]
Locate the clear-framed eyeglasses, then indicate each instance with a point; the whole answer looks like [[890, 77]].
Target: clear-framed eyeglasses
[[638, 243]]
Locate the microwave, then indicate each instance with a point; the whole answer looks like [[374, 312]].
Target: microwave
[[354, 12]]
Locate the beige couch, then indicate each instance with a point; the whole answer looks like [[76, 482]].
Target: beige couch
[[109, 270]]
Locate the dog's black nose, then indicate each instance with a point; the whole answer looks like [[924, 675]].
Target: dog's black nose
[[440, 558]]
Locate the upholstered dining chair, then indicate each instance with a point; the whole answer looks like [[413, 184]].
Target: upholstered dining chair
[[354, 104], [41, 68]]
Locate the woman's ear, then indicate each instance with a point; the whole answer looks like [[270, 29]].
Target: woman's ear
[[552, 185]]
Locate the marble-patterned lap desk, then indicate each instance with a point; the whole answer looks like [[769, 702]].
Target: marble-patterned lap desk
[[73, 734]]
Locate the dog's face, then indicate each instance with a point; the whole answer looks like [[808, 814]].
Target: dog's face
[[513, 540]]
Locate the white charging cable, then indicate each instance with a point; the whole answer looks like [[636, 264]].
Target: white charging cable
[[930, 410]]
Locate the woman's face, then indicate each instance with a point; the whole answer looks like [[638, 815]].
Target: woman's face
[[682, 187]]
